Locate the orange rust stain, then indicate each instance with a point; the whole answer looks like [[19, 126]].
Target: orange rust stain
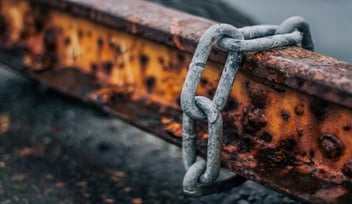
[[172, 127], [28, 151], [153, 72], [175, 129], [166, 120], [4, 122], [299, 129]]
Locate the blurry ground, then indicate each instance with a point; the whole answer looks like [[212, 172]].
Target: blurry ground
[[57, 150]]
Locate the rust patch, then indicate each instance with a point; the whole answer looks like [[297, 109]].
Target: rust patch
[[3, 24], [4, 30], [80, 33], [150, 83], [275, 159], [258, 95], [67, 41], [300, 132], [4, 122], [319, 108], [346, 127], [244, 144], [50, 58], [285, 115], [108, 66], [51, 36], [254, 120], [232, 104], [266, 137], [347, 169], [331, 146], [143, 60], [100, 43], [299, 109]]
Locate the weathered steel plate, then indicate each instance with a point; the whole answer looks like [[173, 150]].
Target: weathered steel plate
[[288, 121]]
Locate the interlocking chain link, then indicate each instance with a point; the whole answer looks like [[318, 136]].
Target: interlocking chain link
[[200, 178]]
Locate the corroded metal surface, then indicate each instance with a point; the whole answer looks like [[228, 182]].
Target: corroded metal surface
[[288, 120]]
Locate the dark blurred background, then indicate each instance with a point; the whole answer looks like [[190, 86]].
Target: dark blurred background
[[56, 150]]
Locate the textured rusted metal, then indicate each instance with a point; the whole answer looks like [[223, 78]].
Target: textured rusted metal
[[287, 123]]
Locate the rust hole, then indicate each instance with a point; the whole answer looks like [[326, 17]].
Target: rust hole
[[80, 33], [347, 169], [100, 42], [210, 93], [3, 25], [300, 132], [266, 137], [161, 60], [28, 25], [203, 82], [299, 109], [40, 14], [230, 137], [285, 115], [67, 41], [121, 65], [245, 145], [94, 67], [108, 67], [50, 39], [330, 146], [232, 104], [319, 108], [143, 60], [346, 127], [254, 120], [150, 83], [180, 58], [117, 48], [257, 95]]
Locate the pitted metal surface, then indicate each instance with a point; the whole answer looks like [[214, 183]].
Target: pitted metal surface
[[283, 105], [315, 70]]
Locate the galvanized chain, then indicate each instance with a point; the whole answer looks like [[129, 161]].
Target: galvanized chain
[[200, 178]]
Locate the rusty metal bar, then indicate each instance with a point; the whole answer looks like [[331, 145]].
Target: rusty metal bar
[[287, 123]]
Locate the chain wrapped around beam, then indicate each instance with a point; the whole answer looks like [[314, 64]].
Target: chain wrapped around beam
[[201, 176]]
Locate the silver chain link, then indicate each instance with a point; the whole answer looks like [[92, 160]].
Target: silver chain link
[[201, 176]]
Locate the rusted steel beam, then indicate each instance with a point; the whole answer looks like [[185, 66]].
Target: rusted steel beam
[[287, 123]]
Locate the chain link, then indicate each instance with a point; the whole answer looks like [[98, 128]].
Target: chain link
[[200, 178]]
